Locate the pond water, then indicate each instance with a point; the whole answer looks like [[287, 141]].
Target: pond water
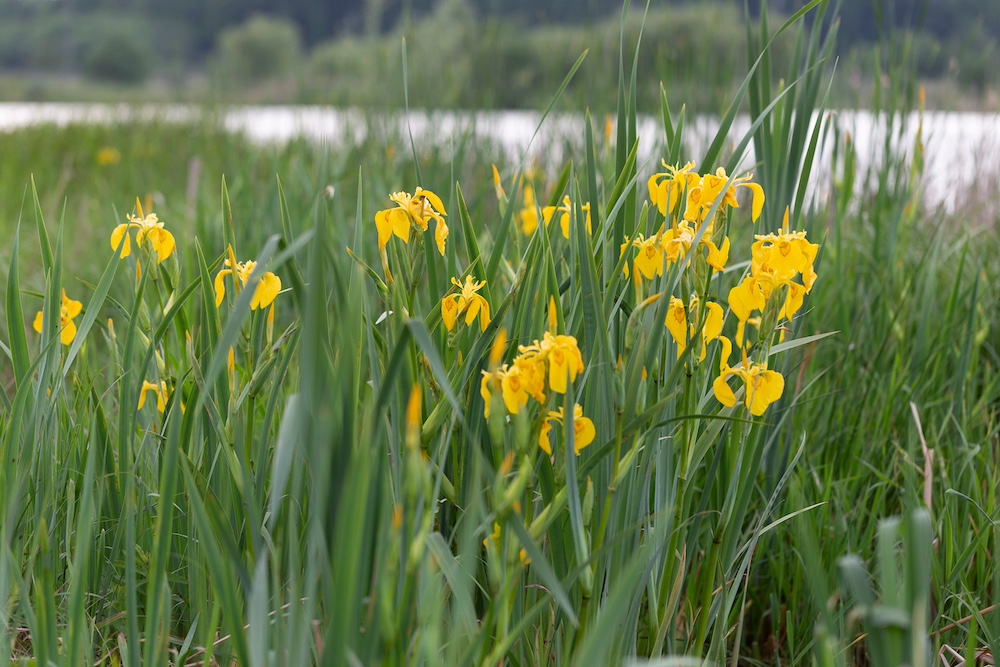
[[961, 151]]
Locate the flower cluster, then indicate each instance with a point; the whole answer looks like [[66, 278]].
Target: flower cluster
[[777, 259], [466, 301], [528, 216], [675, 240], [583, 429], [682, 323], [148, 231], [762, 386], [551, 363], [669, 188], [69, 310], [267, 289], [412, 212]]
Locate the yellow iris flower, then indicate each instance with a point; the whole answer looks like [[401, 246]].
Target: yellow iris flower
[[776, 259], [583, 429], [527, 218], [712, 185], [649, 260], [416, 211], [465, 301], [69, 310], [149, 230], [565, 212], [763, 387], [267, 287], [682, 327], [667, 188], [160, 391]]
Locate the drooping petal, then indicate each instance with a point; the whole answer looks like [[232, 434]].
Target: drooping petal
[[745, 298], [723, 394], [484, 391], [796, 294], [384, 226], [162, 242], [472, 309], [726, 350], [267, 290], [713, 321], [37, 324], [649, 259], [400, 224], [71, 307], [449, 311], [484, 313], [543, 437], [68, 333], [514, 395], [440, 234], [718, 257], [558, 371], [220, 286], [766, 388], [116, 237], [758, 200], [432, 198], [676, 323], [583, 430]]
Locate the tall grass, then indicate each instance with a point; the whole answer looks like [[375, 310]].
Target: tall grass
[[337, 494]]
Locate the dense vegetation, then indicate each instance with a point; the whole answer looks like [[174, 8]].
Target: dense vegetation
[[312, 462]]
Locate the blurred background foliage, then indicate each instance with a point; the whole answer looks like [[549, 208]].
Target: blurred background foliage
[[348, 53]]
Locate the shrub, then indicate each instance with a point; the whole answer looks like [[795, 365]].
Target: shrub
[[260, 49]]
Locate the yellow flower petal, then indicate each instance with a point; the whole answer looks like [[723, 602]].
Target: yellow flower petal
[[70, 307], [758, 200], [440, 234], [220, 286], [384, 226], [543, 437], [714, 318], [449, 311], [267, 289], [718, 257], [432, 198], [722, 392], [765, 388], [583, 432], [68, 333], [676, 323], [162, 242], [116, 237]]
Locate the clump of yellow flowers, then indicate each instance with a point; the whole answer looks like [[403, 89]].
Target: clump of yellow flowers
[[267, 288], [777, 259], [696, 211], [465, 302], [411, 212], [551, 363], [148, 231], [67, 312]]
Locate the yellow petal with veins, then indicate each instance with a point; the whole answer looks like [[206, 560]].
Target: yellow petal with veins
[[267, 290]]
